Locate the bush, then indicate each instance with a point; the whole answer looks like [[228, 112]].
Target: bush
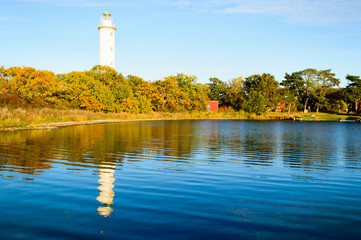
[[255, 103]]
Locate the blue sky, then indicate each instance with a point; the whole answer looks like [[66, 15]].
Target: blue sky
[[206, 38]]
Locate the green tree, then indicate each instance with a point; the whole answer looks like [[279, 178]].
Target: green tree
[[255, 102], [217, 90], [309, 76], [117, 83], [325, 82], [353, 90], [293, 88], [266, 85], [196, 93], [336, 100]]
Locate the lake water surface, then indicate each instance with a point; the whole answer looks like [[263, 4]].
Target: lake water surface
[[183, 180]]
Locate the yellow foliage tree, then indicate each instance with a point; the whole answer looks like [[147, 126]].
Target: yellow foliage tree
[[174, 99], [151, 92], [34, 85]]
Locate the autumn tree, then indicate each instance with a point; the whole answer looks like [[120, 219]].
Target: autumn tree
[[5, 80], [99, 89], [79, 91], [182, 93], [196, 93], [173, 99], [235, 93], [135, 82], [7, 97], [34, 86], [153, 93], [141, 101]]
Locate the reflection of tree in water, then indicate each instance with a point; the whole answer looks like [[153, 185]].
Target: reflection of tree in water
[[31, 152], [217, 139], [173, 139], [307, 150], [259, 148], [109, 146], [84, 147], [352, 155], [27, 152], [351, 151]]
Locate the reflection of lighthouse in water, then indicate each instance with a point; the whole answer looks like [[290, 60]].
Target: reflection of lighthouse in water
[[106, 194]]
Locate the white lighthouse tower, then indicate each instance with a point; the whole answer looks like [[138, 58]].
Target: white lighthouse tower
[[106, 42]]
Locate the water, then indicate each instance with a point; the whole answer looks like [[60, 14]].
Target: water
[[182, 180]]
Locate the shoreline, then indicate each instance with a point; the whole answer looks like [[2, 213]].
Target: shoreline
[[57, 125]]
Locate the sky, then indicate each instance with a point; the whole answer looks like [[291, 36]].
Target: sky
[[206, 38]]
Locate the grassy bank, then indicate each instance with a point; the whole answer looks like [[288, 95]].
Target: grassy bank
[[33, 117]]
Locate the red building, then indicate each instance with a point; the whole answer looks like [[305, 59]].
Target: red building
[[213, 106]]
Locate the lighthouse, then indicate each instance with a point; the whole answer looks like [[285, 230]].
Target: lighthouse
[[106, 41]]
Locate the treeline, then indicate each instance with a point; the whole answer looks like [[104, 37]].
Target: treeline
[[103, 89]]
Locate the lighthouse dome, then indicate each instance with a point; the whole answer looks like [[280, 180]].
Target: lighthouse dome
[[106, 20], [107, 13]]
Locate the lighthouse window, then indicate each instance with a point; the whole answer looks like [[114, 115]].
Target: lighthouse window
[[111, 34], [111, 49]]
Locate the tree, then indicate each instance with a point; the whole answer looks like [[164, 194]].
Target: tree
[[196, 93], [235, 94], [309, 76], [217, 90], [172, 97], [353, 90], [145, 105], [117, 83], [130, 105], [99, 89], [135, 82], [293, 89], [8, 97], [182, 92], [34, 86], [325, 81], [336, 100], [4, 80], [255, 102], [152, 93], [80, 91], [266, 85]]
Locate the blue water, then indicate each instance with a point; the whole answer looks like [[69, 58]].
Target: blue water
[[183, 180]]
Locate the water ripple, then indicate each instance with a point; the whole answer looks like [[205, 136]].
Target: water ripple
[[182, 180]]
